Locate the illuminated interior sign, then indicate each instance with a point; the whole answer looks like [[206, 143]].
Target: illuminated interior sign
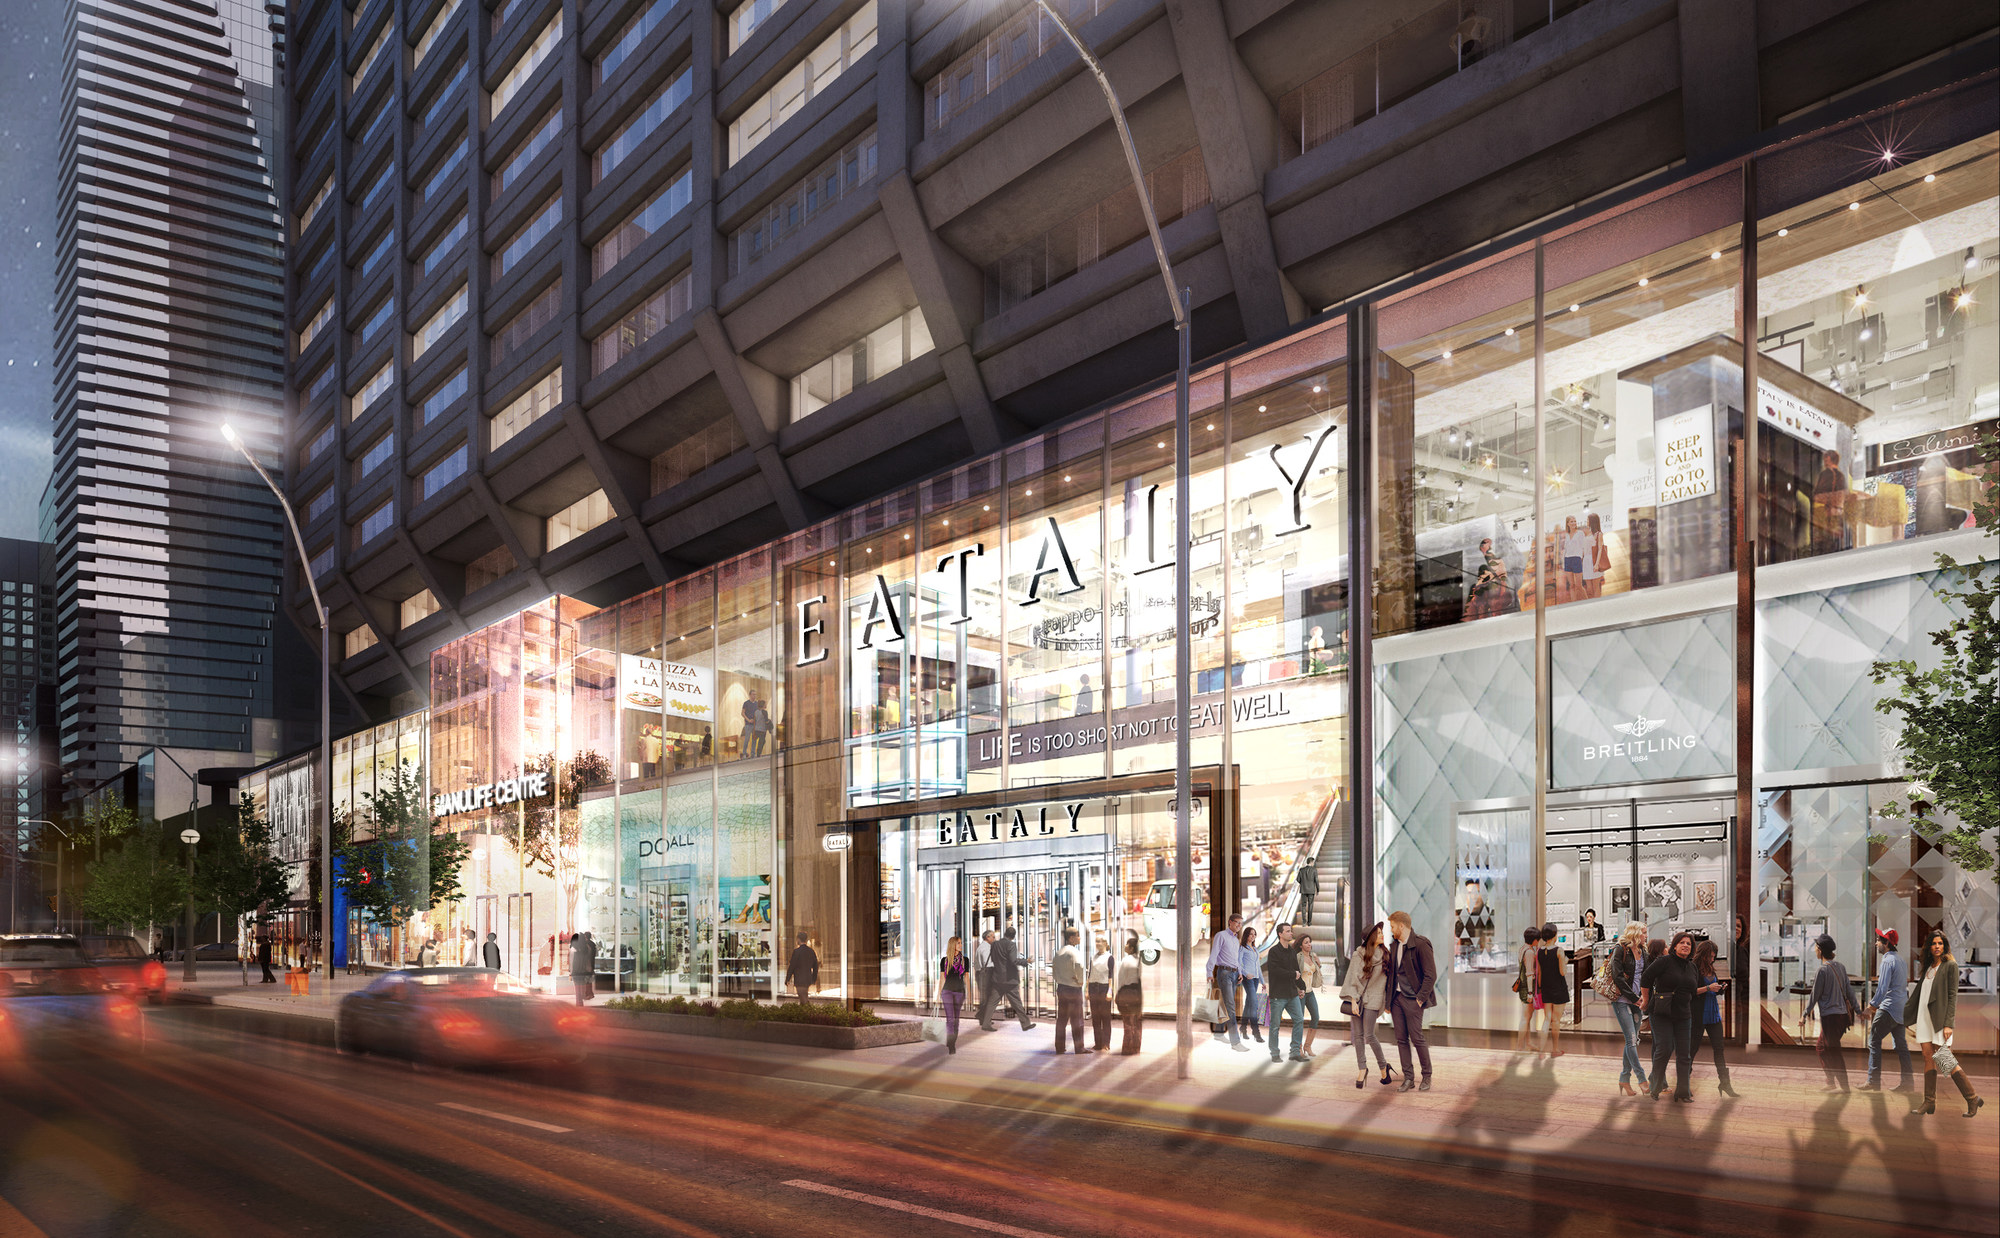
[[1023, 825], [529, 786]]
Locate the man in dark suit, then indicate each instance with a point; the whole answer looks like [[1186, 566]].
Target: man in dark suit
[[1007, 980], [802, 970], [1412, 979], [1308, 891]]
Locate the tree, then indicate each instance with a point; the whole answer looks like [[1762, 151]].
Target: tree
[[237, 873], [1951, 712], [551, 838], [408, 864], [142, 880]]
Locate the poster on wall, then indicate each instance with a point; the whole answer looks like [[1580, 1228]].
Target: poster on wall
[[1704, 897], [1684, 455], [1621, 901], [674, 688], [1666, 893]]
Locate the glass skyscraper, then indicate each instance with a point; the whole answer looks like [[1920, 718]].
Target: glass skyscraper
[[167, 550]]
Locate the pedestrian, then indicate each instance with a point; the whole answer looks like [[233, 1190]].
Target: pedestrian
[[802, 969], [490, 952], [1224, 953], [1592, 932], [1102, 967], [1627, 955], [1708, 987], [1310, 975], [1528, 985], [952, 970], [1833, 998], [1070, 972], [1362, 1000], [982, 967], [1412, 989], [1928, 1013], [1667, 995], [1553, 986], [1250, 972], [1885, 1012], [427, 954], [264, 957], [582, 966], [1308, 889], [1130, 998], [1281, 974], [1007, 978]]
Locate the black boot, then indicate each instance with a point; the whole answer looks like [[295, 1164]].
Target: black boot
[[1722, 1083], [1929, 1103], [1972, 1099]]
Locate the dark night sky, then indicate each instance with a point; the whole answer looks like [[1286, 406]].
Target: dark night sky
[[30, 102]]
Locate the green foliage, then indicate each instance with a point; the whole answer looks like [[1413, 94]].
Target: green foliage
[[551, 838], [820, 1014], [142, 879], [236, 874], [1951, 713], [407, 864]]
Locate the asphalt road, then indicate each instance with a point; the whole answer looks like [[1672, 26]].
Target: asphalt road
[[239, 1124]]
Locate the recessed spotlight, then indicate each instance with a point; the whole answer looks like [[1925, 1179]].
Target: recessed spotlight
[[1211, 425], [1065, 476], [986, 507], [947, 524], [1446, 356], [906, 537], [1714, 255], [1853, 206], [1574, 308], [1031, 493], [1315, 388], [1161, 445], [1929, 177], [1510, 330], [1260, 408], [1643, 281], [1784, 232]]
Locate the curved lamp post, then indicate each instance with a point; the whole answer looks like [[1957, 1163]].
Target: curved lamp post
[[325, 710]]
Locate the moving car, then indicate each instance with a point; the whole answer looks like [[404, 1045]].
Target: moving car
[[459, 1016], [126, 967], [53, 1001]]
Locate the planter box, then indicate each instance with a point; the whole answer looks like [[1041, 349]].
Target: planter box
[[811, 1035]]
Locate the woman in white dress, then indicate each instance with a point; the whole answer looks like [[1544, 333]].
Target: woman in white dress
[[1596, 557], [1928, 1013]]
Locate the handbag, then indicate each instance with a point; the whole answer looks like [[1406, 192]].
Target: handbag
[[1347, 1007], [1945, 1060], [933, 1029]]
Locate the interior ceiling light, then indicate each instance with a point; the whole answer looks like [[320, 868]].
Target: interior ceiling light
[[1853, 206], [1510, 330], [1784, 232], [1929, 177], [1574, 308], [1860, 297], [1643, 281], [1446, 355], [1453, 436], [1604, 421], [1971, 259], [1713, 256], [1961, 299]]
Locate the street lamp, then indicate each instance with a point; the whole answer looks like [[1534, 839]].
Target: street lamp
[[14, 897], [325, 712], [190, 837], [1178, 300]]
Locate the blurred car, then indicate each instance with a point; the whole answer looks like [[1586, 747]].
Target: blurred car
[[460, 1016], [126, 967], [53, 1001], [213, 952]]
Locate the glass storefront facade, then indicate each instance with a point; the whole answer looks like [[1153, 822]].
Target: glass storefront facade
[[952, 709]]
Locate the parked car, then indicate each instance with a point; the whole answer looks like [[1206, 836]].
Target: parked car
[[53, 1001], [1157, 923], [126, 967], [213, 952], [459, 1016]]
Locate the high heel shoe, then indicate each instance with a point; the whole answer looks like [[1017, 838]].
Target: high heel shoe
[[1626, 1084], [1388, 1076], [1360, 1078]]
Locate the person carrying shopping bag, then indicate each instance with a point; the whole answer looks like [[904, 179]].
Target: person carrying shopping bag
[[952, 971]]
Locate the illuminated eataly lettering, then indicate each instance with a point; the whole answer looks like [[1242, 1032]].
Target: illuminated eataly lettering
[[1052, 559]]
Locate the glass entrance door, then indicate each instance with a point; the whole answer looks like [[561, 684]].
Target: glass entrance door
[[943, 919], [666, 937]]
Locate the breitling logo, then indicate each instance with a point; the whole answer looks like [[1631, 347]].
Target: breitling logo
[[1639, 747], [1640, 726]]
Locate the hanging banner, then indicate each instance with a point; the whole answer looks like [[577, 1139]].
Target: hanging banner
[[1795, 417], [650, 685], [1684, 448]]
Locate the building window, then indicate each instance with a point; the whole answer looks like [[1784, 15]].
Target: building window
[[313, 207], [375, 523], [746, 17], [317, 385], [1177, 187], [319, 504], [833, 180], [524, 154], [446, 96], [998, 57], [368, 59], [372, 325], [643, 323], [377, 191], [379, 254], [322, 562], [429, 38], [641, 224], [359, 639], [642, 126], [445, 471], [378, 382], [440, 180], [375, 123], [578, 518], [809, 77], [503, 13], [318, 446], [317, 323], [490, 568], [417, 608], [444, 395], [521, 327], [378, 454], [444, 320], [444, 245], [629, 40], [526, 408], [531, 233], [709, 445], [889, 346], [524, 68]]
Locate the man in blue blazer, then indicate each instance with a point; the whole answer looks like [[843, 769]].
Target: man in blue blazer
[[1412, 979]]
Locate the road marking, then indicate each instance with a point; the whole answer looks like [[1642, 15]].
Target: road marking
[[956, 1218], [505, 1117]]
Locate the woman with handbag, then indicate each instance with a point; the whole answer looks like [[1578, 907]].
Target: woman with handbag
[[1309, 977], [1667, 996], [1527, 984], [1626, 956], [1129, 998], [1833, 997], [1362, 999], [1928, 1013], [952, 970]]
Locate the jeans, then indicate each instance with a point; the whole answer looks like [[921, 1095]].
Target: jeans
[[1885, 1024], [1714, 1033], [1361, 1034], [1279, 1005], [1253, 1014], [1407, 1014], [1628, 1023], [1673, 1037], [952, 1002], [1310, 1000], [1225, 990]]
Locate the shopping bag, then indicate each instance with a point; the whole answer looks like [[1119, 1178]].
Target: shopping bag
[[1207, 1010], [933, 1029]]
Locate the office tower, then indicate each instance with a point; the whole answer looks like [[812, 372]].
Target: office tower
[[166, 548]]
